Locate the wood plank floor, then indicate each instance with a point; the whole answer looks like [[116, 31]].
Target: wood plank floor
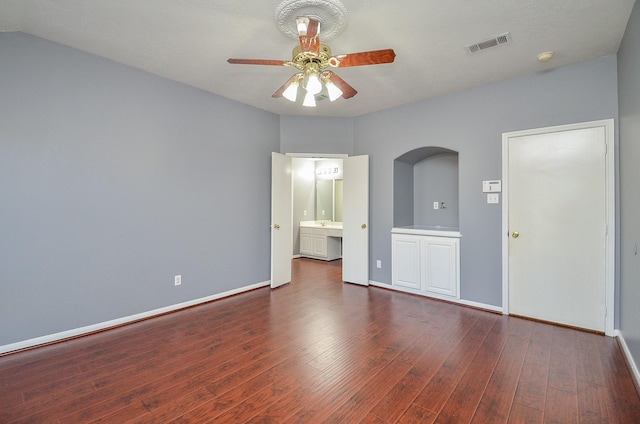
[[318, 350]]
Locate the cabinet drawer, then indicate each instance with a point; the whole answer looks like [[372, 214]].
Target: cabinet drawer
[[306, 230], [334, 233], [319, 232]]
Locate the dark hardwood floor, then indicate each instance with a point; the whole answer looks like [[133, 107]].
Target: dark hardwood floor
[[318, 350]]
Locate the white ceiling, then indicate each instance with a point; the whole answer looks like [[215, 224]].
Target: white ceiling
[[190, 40]]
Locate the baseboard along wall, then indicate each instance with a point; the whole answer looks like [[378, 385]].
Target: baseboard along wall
[[102, 326]]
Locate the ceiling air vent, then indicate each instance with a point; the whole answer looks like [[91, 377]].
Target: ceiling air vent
[[487, 44]]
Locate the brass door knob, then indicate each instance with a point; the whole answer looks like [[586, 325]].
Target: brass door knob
[[364, 226], [515, 234], [276, 226]]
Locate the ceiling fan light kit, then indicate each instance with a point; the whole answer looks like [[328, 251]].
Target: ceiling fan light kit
[[332, 89], [309, 100], [291, 92], [312, 57]]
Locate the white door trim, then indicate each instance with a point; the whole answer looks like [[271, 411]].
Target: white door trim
[[608, 125]]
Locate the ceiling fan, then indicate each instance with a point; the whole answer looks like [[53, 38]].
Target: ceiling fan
[[312, 58]]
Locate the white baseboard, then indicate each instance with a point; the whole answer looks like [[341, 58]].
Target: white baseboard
[[464, 302], [627, 354], [25, 344]]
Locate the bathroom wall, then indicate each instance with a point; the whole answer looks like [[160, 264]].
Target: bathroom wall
[[304, 196]]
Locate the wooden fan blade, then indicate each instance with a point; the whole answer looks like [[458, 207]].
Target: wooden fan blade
[[364, 58], [309, 34], [347, 91], [280, 90], [258, 62]]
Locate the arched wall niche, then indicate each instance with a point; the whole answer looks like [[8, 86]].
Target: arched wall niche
[[422, 177]]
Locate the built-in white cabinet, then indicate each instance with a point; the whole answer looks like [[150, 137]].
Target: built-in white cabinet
[[319, 242], [427, 261]]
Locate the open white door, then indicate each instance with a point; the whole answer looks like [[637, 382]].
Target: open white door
[[281, 228], [355, 233]]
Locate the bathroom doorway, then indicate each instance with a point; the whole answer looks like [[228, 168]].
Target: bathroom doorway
[[329, 202]]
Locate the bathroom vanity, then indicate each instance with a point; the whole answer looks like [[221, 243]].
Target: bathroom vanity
[[321, 240]]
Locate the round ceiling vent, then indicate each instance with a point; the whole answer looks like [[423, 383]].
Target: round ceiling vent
[[331, 13]]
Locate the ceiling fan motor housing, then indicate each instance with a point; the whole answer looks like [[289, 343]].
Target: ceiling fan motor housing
[[301, 59]]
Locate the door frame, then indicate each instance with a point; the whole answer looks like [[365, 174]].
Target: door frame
[[366, 224], [610, 237]]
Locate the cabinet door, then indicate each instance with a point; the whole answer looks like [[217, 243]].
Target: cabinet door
[[440, 266], [306, 243], [406, 261], [320, 245]]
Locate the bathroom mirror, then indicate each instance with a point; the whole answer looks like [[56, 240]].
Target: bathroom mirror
[[329, 200]]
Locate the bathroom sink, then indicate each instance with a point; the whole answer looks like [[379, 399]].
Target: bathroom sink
[[334, 225], [322, 224]]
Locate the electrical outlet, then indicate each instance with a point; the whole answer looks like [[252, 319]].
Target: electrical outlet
[[379, 263], [493, 198], [177, 280], [436, 205]]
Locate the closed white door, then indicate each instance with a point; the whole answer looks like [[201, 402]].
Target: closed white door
[[355, 232], [281, 225], [557, 217]]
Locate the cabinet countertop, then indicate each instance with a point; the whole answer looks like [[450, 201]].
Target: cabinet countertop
[[318, 224], [427, 230]]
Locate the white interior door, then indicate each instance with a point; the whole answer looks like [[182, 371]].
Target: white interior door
[[355, 232], [556, 195], [281, 225]]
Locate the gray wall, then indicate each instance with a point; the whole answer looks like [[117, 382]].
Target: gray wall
[[403, 194], [316, 135], [629, 100], [435, 179], [471, 122], [113, 181]]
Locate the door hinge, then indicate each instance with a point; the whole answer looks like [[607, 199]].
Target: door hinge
[[606, 149]]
